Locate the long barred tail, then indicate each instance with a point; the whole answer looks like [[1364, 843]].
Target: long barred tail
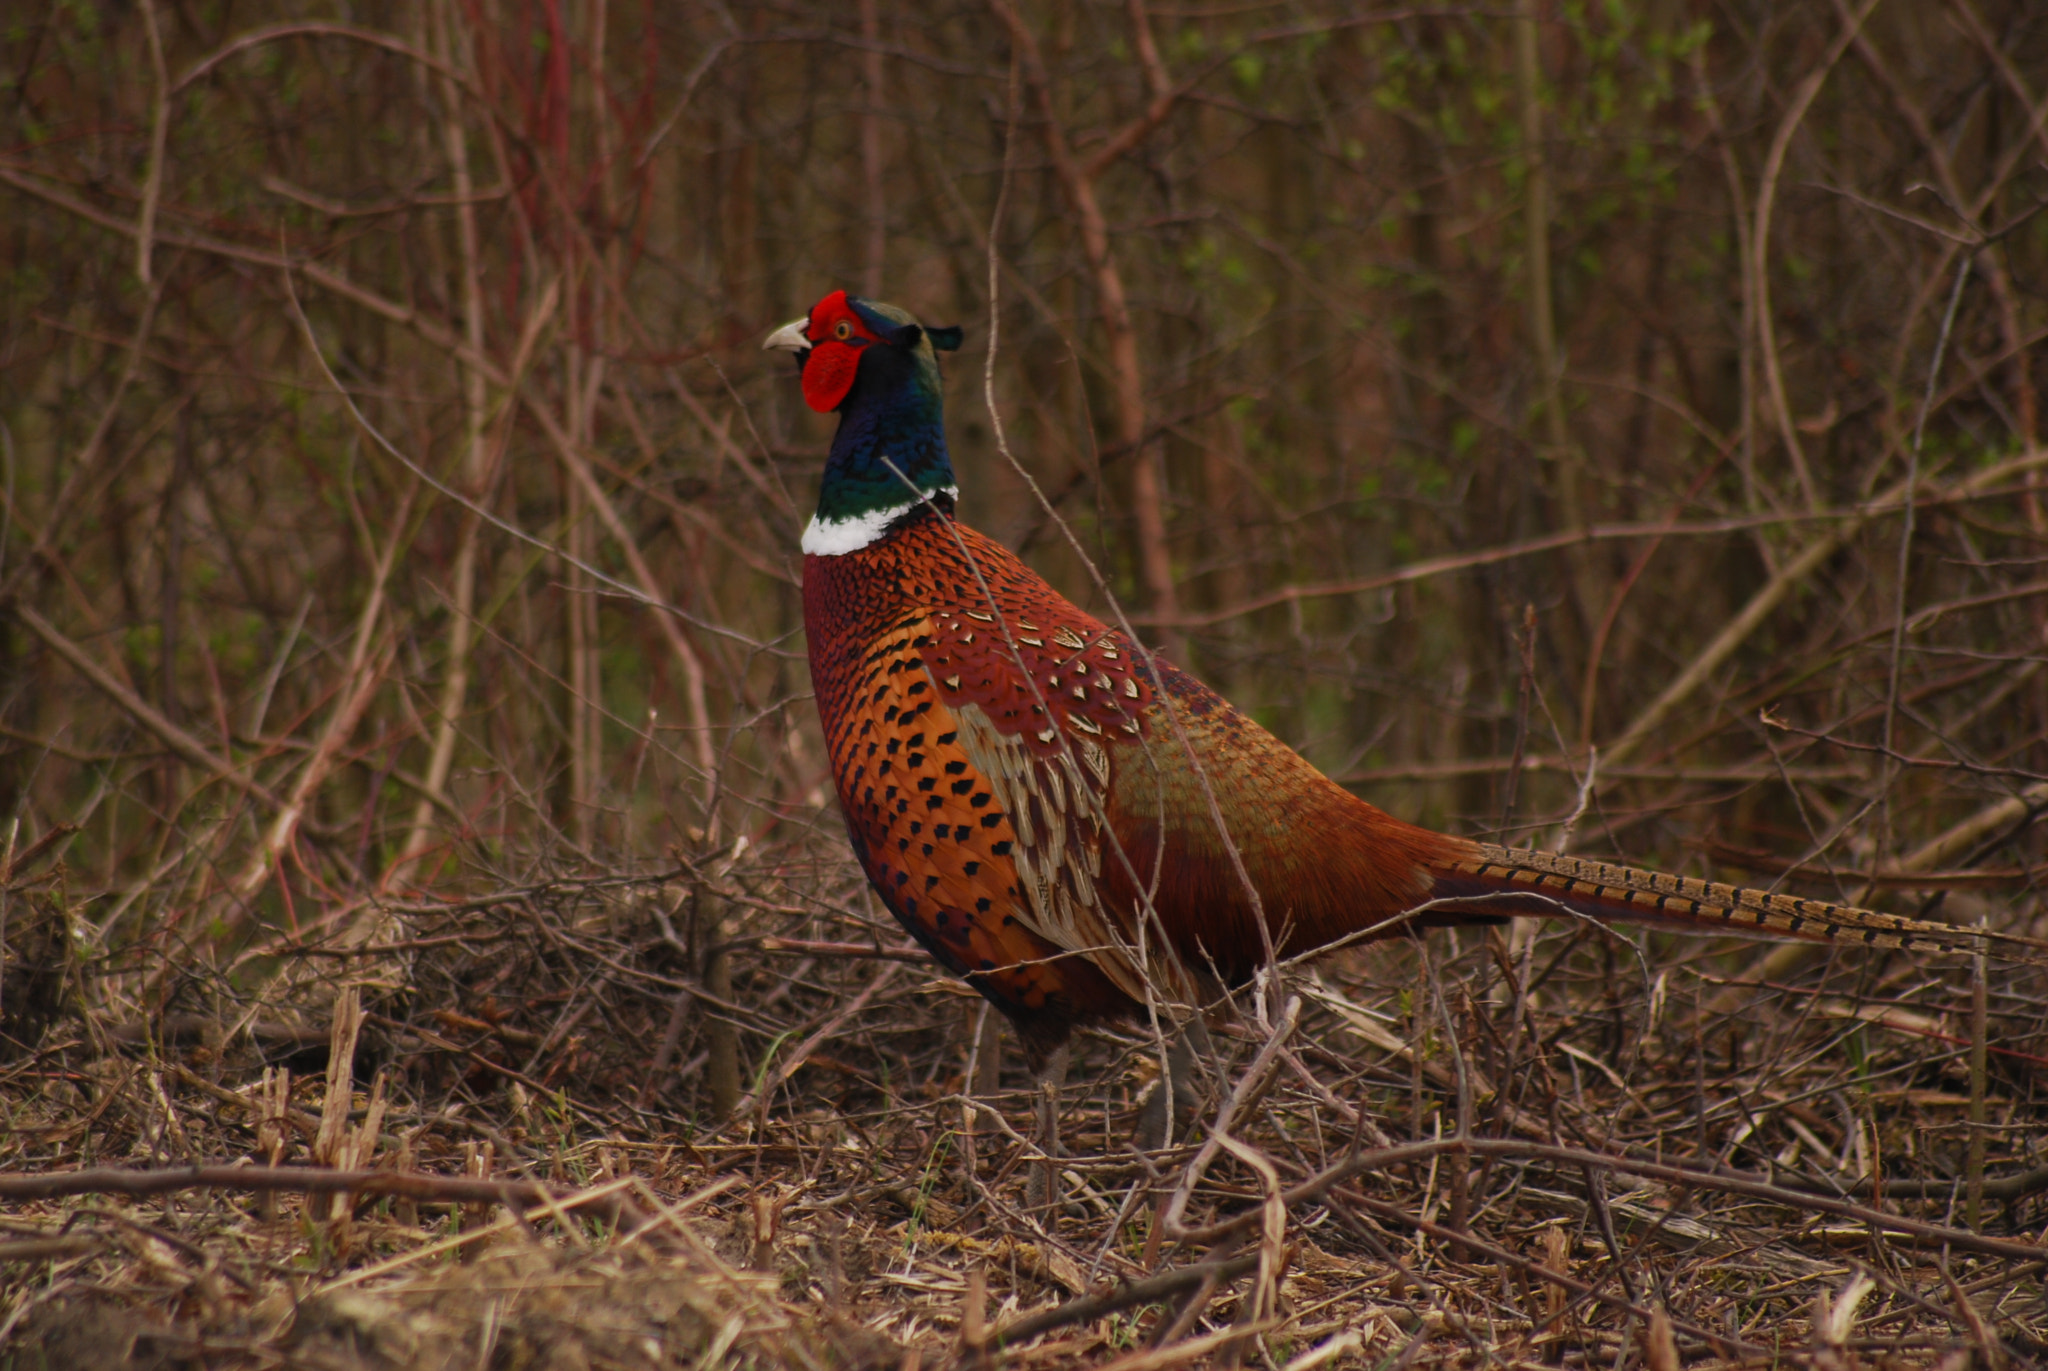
[[1604, 891]]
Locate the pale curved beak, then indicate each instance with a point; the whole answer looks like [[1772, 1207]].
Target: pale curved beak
[[790, 337]]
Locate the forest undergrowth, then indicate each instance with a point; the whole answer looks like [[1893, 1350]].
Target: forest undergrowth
[[427, 937]]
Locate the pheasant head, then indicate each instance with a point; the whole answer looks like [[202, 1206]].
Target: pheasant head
[[879, 368]]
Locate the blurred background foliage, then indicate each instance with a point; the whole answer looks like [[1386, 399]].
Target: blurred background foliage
[[396, 497]]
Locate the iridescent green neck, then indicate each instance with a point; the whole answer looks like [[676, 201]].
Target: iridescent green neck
[[889, 456]]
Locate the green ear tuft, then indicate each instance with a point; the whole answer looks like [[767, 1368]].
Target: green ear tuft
[[945, 339]]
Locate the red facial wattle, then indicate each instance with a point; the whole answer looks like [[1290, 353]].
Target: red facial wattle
[[837, 336], [828, 375]]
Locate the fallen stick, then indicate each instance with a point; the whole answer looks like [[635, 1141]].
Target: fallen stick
[[766, 1085], [1394, 1213], [855, 951], [1148, 1291], [1380, 1159], [417, 1185], [47, 1249]]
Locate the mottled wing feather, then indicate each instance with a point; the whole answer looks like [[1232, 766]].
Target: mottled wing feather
[[1042, 692], [929, 832]]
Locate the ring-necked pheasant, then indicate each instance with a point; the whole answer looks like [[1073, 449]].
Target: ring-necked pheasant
[[1037, 799]]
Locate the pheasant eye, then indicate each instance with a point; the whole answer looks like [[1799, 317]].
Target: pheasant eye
[[842, 330]]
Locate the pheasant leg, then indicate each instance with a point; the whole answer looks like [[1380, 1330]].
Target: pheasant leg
[[1166, 1114], [1043, 1190]]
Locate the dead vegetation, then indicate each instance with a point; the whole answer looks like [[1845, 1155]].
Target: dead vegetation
[[1614, 427], [1670, 1160]]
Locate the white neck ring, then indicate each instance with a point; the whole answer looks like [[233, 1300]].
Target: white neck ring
[[836, 537]]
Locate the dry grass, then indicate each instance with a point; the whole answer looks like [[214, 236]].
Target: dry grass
[[854, 1212]]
